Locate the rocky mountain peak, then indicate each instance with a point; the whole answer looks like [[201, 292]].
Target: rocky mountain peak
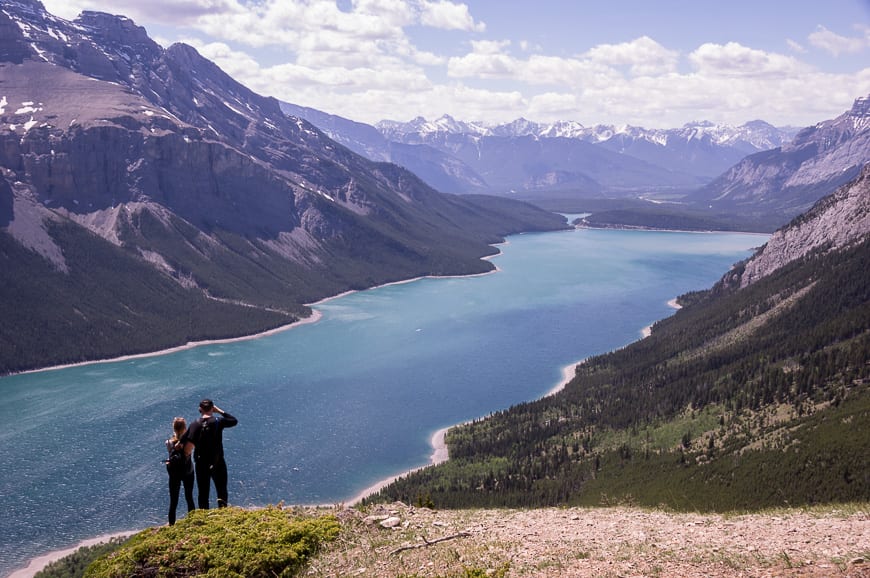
[[113, 28], [860, 113]]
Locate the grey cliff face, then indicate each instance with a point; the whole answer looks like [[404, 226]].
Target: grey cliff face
[[837, 221]]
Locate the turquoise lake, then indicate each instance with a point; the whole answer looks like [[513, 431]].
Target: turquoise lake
[[327, 409]]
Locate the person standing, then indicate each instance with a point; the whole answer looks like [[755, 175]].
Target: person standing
[[204, 438], [179, 466]]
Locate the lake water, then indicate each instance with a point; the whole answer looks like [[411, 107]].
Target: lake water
[[327, 409]]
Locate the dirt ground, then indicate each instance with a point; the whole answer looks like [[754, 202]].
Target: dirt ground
[[597, 542]]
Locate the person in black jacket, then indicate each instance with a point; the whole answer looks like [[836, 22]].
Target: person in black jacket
[[180, 472], [204, 438]]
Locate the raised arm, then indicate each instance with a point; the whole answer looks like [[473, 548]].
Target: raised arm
[[227, 419]]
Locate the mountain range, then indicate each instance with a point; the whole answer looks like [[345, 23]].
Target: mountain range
[[464, 157], [700, 176], [791, 178], [148, 199]]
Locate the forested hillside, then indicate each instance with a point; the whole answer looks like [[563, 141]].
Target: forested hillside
[[745, 398]]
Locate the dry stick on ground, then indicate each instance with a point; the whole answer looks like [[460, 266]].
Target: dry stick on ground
[[429, 543]]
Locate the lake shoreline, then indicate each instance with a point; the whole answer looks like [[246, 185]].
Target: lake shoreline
[[438, 441], [313, 318], [439, 453]]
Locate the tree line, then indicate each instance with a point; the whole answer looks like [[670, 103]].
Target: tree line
[[763, 387]]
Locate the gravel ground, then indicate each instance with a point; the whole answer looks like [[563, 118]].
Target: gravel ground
[[599, 542]]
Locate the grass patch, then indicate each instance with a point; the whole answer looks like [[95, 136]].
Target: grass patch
[[229, 542]]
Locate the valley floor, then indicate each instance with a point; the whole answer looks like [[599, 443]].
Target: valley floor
[[599, 542]]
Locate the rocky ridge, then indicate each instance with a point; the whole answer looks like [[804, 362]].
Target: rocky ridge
[[701, 150], [752, 136], [837, 221]]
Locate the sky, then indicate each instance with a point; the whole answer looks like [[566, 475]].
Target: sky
[[648, 63]]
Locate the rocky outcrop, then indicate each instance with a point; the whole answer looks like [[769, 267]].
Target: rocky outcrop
[[837, 221]]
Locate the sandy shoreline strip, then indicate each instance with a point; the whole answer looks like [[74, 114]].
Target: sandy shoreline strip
[[647, 331], [313, 318], [439, 443], [40, 562]]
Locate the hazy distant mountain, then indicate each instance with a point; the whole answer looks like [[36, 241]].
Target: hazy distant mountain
[[790, 178], [440, 170], [525, 156], [700, 150], [148, 199]]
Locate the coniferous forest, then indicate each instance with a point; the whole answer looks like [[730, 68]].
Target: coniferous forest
[[744, 399]]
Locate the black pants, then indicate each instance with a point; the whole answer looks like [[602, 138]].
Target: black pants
[[206, 471], [175, 482]]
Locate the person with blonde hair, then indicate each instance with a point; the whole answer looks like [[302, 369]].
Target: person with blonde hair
[[179, 466]]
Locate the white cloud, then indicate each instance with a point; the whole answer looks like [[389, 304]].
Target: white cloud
[[449, 16], [175, 12], [734, 59], [488, 59], [360, 59], [553, 105], [643, 56], [837, 44], [640, 82]]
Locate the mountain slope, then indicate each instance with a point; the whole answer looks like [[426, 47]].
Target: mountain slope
[[177, 173], [790, 179], [755, 394]]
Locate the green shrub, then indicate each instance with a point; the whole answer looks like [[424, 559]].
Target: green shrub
[[74, 565], [229, 542]]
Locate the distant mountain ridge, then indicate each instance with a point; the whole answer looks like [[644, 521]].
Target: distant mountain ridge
[[791, 178], [463, 157], [214, 213], [701, 149], [752, 136], [751, 177]]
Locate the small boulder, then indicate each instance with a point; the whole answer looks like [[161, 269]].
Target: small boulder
[[391, 522]]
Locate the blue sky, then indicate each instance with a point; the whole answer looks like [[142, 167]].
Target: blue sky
[[656, 64]]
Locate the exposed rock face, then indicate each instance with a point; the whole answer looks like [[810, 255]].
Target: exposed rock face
[[837, 221], [792, 178], [170, 128]]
